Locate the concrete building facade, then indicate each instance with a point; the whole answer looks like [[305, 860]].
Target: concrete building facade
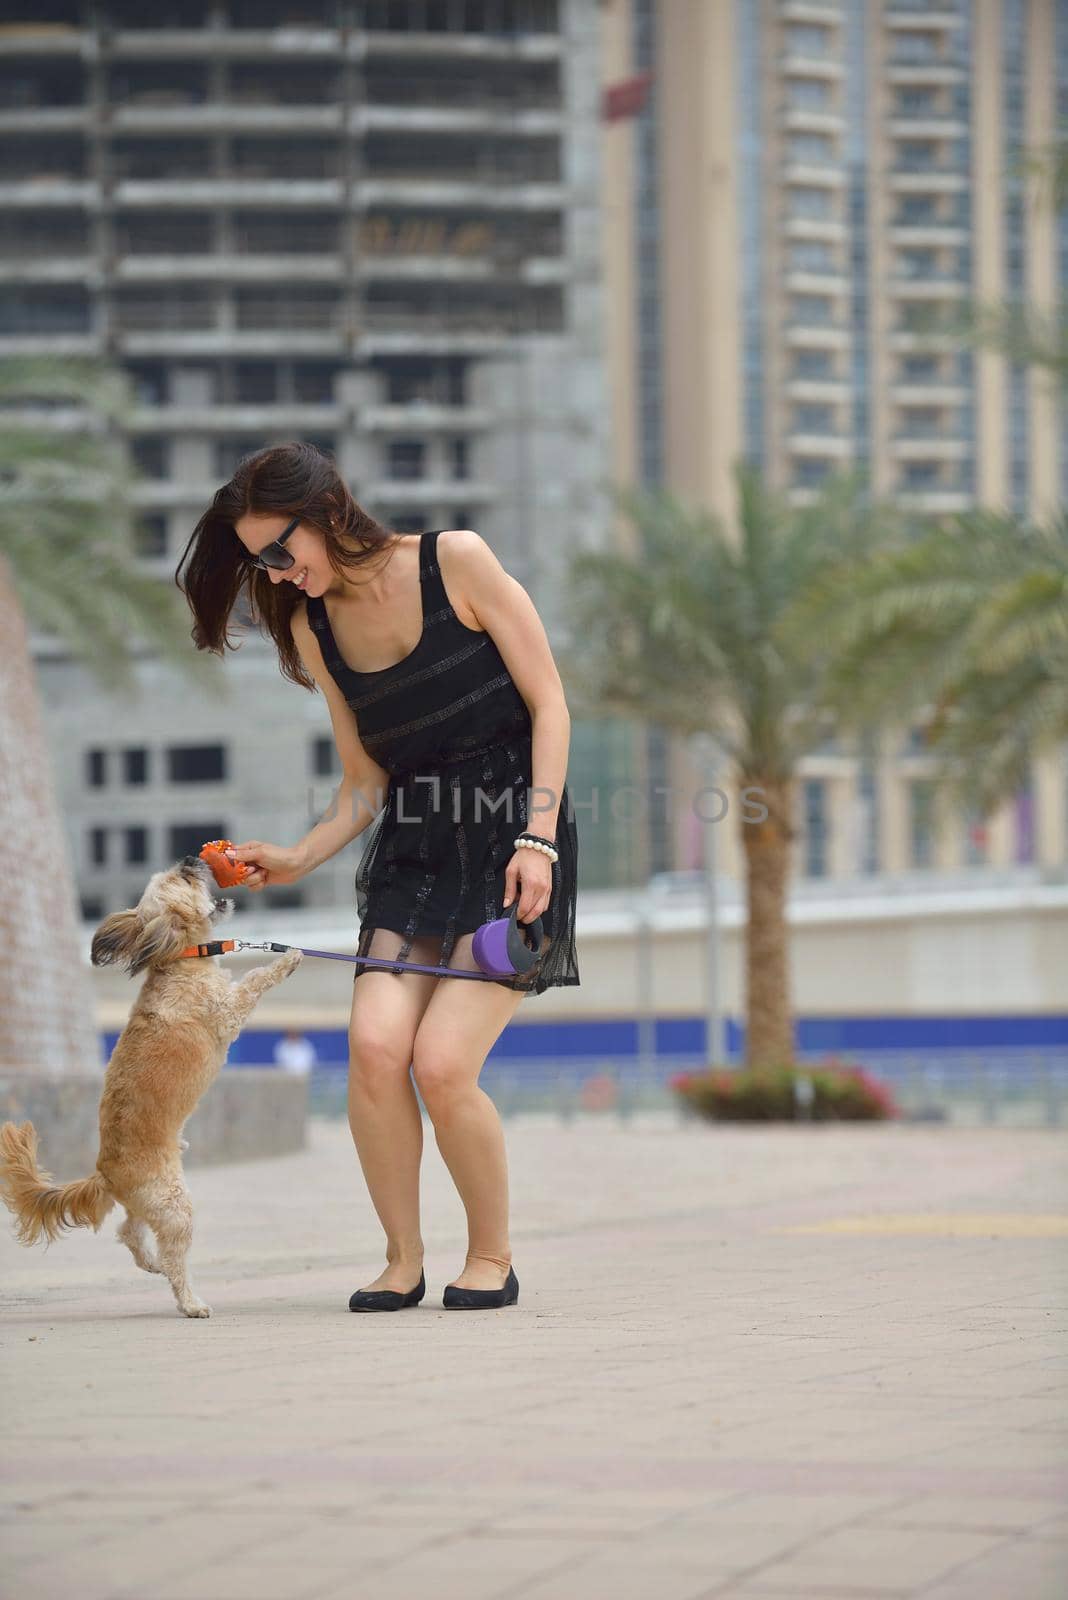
[[367, 224]]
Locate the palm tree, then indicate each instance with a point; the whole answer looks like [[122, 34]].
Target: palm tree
[[1025, 334], [964, 626], [66, 567], [692, 634]]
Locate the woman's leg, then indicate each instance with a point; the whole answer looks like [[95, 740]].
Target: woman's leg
[[384, 1115], [452, 1041]]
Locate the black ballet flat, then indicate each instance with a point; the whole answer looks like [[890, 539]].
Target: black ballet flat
[[455, 1299], [387, 1299]]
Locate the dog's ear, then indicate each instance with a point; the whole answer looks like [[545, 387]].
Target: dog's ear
[[162, 937], [113, 940], [124, 939]]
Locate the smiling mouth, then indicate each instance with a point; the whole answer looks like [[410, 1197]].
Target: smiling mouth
[[299, 583]]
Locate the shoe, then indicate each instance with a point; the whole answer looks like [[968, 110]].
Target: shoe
[[455, 1299], [387, 1299]]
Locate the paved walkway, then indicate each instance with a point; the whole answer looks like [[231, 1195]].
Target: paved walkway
[[825, 1362]]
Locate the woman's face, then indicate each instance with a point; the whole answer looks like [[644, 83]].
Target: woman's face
[[311, 572]]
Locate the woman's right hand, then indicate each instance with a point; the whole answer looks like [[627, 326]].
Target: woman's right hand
[[266, 863]]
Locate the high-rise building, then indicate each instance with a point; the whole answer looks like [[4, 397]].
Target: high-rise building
[[805, 186], [371, 224]]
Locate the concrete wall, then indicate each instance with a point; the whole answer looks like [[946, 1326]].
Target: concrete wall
[[245, 1115]]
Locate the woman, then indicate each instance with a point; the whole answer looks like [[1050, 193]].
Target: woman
[[445, 741]]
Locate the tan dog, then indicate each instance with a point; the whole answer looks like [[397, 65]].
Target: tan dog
[[169, 1052]]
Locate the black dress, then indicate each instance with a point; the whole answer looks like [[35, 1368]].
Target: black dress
[[454, 733]]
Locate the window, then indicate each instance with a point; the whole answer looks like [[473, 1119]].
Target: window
[[255, 383], [814, 149], [92, 909], [135, 765], [809, 418], [150, 536], [812, 255], [813, 364], [186, 839], [324, 758], [917, 476], [814, 310], [920, 369], [135, 844], [808, 94], [150, 456], [810, 473], [197, 763], [313, 382], [406, 458], [230, 449], [810, 204], [98, 847], [921, 822], [459, 458], [805, 40], [815, 827], [96, 768]]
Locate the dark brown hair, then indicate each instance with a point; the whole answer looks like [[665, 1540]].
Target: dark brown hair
[[284, 479]]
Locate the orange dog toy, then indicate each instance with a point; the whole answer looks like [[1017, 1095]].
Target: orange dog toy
[[228, 874]]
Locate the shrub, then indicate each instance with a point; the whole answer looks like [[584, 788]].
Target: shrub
[[840, 1092]]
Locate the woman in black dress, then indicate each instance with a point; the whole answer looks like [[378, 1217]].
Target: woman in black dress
[[454, 747]]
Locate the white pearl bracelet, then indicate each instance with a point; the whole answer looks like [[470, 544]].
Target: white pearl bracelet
[[535, 844]]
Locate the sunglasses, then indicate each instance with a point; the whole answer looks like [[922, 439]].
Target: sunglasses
[[273, 555]]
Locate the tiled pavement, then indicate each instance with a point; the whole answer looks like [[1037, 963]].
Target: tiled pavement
[[824, 1362]]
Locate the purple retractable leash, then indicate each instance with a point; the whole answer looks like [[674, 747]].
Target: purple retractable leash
[[499, 948]]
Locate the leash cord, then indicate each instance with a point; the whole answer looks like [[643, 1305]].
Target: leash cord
[[220, 947]]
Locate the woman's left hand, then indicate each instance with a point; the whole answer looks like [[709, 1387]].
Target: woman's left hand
[[535, 873]]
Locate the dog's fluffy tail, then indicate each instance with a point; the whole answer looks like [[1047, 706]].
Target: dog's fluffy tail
[[43, 1209]]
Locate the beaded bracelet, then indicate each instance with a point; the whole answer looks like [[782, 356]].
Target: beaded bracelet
[[533, 841]]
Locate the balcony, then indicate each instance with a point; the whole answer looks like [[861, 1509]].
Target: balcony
[[928, 180], [473, 47], [502, 121], [431, 415], [830, 391], [429, 491], [940, 286], [906, 391], [935, 501], [829, 16], [213, 43], [828, 175], [47, 189], [830, 229], [238, 417], [198, 193], [794, 65], [495, 192], [824, 446], [834, 282], [936, 71], [809, 335], [799, 119], [226, 116], [929, 446], [928, 126], [913, 16], [230, 267]]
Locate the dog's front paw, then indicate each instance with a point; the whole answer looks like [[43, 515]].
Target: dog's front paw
[[195, 1308], [290, 962]]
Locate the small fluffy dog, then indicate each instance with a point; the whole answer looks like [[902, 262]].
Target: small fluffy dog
[[169, 1052]]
